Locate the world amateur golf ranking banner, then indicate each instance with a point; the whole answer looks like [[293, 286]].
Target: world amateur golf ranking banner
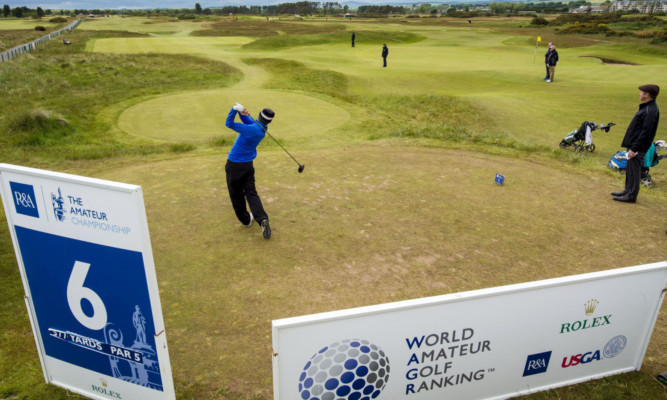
[[485, 344], [87, 267]]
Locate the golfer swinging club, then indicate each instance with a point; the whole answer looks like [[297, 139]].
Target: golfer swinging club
[[239, 167]]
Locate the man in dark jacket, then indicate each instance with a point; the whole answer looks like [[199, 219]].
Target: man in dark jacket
[[385, 53], [353, 37], [638, 138], [546, 60], [552, 60]]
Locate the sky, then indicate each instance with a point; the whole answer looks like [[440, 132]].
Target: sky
[[143, 4]]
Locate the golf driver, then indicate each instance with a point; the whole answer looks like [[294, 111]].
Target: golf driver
[[301, 166]]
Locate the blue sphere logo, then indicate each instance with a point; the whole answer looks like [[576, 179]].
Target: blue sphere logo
[[346, 370]]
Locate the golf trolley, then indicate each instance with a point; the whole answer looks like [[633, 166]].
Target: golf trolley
[[581, 138], [619, 161]]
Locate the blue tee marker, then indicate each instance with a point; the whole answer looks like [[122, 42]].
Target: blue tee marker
[[500, 179]]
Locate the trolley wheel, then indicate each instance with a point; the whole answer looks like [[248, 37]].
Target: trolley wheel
[[590, 148], [562, 144]]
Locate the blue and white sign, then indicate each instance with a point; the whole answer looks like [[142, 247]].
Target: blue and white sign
[[85, 258]]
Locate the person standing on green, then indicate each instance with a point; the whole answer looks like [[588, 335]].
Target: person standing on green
[[546, 60], [385, 53], [552, 60]]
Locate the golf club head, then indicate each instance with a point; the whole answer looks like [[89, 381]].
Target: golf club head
[[301, 167]]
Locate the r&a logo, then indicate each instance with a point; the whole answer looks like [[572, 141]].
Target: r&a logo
[[24, 199], [537, 363]]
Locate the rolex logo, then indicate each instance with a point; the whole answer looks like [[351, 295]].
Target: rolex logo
[[590, 306]]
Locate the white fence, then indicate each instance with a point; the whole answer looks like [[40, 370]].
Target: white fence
[[30, 47]]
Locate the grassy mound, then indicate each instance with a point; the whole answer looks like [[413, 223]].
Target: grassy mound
[[365, 37], [256, 28]]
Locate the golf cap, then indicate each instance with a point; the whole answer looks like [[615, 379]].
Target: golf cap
[[267, 114], [652, 90]]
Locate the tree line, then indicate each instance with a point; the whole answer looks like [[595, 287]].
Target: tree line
[[326, 8], [301, 8]]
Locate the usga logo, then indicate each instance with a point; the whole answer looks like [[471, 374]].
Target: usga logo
[[613, 348], [587, 323], [24, 199]]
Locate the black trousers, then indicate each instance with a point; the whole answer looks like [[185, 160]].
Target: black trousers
[[633, 175], [241, 187], [384, 60]]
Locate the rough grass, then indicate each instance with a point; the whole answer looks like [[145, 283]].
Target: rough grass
[[255, 28], [64, 82], [293, 75]]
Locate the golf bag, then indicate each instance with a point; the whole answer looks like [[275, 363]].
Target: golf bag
[[582, 138], [619, 161]]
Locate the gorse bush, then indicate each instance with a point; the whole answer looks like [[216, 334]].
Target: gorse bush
[[539, 21], [586, 18], [586, 28], [660, 37]]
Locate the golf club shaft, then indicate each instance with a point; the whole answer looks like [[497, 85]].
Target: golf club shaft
[[274, 139]]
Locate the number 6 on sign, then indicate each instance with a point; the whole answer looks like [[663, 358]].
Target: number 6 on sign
[[77, 292]]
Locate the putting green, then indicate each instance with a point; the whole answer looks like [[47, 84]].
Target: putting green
[[200, 115]]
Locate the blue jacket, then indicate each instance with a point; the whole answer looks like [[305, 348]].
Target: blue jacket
[[250, 134]]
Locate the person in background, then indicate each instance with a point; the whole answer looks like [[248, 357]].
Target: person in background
[[546, 58], [552, 60], [385, 53], [638, 139], [353, 37]]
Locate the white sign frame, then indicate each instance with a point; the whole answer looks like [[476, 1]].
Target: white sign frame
[[76, 239], [623, 304]]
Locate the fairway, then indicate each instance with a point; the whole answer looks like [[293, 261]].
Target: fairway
[[509, 89], [397, 200]]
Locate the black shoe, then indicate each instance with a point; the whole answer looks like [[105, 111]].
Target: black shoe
[[266, 229], [619, 194], [625, 199]]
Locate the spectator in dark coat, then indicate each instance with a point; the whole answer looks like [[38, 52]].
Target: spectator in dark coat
[[638, 139], [546, 58], [353, 37], [385, 53], [552, 60]]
